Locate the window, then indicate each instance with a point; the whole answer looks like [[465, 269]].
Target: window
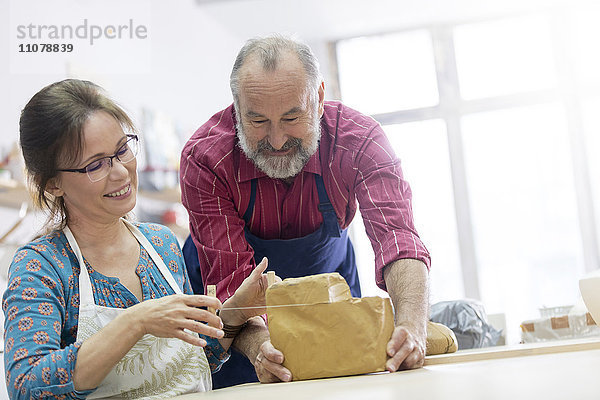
[[505, 56], [585, 35], [496, 123], [428, 173], [523, 206], [375, 79], [591, 119]]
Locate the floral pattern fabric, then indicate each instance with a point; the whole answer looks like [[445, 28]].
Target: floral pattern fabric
[[41, 308]]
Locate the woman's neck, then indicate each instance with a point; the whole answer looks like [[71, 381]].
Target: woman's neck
[[93, 235]]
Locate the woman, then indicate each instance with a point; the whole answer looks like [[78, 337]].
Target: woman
[[126, 324]]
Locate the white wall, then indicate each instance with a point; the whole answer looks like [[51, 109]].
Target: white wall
[[193, 44], [188, 78]]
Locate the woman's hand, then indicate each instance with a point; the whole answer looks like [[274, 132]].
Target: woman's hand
[[251, 293], [170, 316]]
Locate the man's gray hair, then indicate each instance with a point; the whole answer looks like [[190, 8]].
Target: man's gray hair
[[269, 50]]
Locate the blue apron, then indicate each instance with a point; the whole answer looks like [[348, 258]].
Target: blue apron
[[328, 249], [192, 264]]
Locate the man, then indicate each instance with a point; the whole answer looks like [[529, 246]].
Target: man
[[277, 175]]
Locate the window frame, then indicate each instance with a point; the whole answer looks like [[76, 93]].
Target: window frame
[[451, 108]]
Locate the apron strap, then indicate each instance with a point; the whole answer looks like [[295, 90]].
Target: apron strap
[[330, 221], [85, 282], [324, 203], [154, 255], [250, 209]]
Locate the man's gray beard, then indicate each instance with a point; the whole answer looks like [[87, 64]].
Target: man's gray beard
[[281, 167]]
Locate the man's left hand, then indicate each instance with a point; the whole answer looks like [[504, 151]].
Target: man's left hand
[[406, 349], [269, 365]]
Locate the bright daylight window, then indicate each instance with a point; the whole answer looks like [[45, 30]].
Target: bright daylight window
[[376, 80], [504, 57], [523, 107], [524, 209], [591, 115]]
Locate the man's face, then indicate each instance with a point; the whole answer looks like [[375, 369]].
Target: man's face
[[278, 121]]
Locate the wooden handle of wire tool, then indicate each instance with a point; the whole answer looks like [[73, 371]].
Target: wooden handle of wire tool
[[211, 291], [270, 277]]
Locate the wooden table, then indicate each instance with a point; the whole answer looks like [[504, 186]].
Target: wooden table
[[551, 370]]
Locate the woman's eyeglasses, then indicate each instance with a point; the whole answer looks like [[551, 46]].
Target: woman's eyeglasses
[[99, 169]]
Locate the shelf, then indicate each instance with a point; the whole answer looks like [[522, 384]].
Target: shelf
[[13, 196]]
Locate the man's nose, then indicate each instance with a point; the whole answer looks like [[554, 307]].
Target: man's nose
[[277, 137]]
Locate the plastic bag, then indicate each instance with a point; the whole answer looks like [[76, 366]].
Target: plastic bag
[[468, 321]]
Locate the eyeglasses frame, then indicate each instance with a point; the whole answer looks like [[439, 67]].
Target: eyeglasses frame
[[84, 169]]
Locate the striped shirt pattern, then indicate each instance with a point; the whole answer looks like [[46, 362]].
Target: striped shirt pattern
[[357, 164]]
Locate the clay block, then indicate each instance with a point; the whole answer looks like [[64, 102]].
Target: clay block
[[328, 333], [440, 339]]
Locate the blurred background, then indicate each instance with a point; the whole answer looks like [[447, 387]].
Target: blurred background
[[492, 106]]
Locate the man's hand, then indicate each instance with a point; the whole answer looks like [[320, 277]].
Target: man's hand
[[405, 349], [254, 342], [251, 293], [408, 285], [268, 365]]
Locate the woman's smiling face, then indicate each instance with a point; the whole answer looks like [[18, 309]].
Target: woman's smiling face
[[111, 197]]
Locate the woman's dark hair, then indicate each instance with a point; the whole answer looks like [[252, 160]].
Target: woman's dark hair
[[51, 129]]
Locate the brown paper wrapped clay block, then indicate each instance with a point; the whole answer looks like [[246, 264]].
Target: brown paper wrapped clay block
[[336, 335], [322, 288], [440, 339]]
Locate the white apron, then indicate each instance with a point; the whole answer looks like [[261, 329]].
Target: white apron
[[154, 367]]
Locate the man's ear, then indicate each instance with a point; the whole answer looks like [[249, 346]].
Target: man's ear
[[321, 98], [53, 187]]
